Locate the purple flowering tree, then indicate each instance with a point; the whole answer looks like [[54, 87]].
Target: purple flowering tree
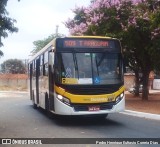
[[135, 22]]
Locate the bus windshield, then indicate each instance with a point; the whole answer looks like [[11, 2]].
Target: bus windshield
[[100, 68]]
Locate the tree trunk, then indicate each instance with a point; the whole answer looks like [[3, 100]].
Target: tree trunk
[[137, 83], [145, 82]]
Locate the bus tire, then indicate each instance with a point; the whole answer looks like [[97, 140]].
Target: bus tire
[[48, 113], [33, 101], [102, 116]]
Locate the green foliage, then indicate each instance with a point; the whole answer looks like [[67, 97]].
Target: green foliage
[[13, 66], [39, 44], [6, 23]]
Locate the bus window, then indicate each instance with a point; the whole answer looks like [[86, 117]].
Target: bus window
[[90, 68], [34, 69], [107, 67], [84, 65], [68, 68], [41, 59], [45, 71], [46, 57], [41, 65]]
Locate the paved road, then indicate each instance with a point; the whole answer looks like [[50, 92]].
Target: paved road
[[19, 119]]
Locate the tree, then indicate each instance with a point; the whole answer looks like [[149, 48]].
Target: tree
[[13, 66], [6, 23], [135, 22], [142, 40], [39, 44]]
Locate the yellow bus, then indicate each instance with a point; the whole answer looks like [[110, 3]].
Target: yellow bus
[[78, 76]]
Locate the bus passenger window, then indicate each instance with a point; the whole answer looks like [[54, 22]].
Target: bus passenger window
[[46, 57], [41, 70], [45, 70]]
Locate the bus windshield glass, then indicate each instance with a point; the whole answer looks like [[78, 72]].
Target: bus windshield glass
[[101, 68]]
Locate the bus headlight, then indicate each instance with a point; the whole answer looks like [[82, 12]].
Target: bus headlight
[[120, 97], [63, 99]]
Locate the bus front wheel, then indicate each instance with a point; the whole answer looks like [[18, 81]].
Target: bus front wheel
[[102, 116]]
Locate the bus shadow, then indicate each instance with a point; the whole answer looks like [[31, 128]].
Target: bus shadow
[[86, 121], [79, 120]]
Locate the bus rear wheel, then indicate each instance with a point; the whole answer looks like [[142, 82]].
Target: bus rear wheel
[[33, 101], [47, 110]]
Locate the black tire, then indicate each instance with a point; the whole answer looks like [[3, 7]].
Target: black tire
[[34, 106], [48, 113], [33, 101], [102, 116]]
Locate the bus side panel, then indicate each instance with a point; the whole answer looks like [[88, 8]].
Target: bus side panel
[[43, 91]]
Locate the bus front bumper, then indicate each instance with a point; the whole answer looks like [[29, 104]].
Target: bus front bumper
[[63, 109]]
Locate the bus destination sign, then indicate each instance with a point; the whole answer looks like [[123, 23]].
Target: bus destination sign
[[89, 43]]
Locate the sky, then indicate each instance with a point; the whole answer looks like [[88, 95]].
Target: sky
[[36, 20]]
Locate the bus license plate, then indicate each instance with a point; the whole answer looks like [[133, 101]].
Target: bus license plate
[[94, 108]]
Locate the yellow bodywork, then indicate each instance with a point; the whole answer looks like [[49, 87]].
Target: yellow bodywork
[[103, 98]]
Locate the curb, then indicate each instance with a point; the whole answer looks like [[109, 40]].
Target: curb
[[13, 91], [142, 114]]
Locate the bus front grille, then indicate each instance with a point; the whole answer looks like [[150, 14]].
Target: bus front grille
[[85, 107]]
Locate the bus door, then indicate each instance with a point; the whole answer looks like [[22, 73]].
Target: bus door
[[30, 79], [51, 80], [37, 79]]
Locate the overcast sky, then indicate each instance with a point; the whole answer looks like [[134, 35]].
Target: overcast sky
[[36, 20]]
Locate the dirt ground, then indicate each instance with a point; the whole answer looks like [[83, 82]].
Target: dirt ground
[[137, 104], [7, 88]]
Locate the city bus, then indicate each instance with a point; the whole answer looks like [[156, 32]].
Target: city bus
[[81, 75]]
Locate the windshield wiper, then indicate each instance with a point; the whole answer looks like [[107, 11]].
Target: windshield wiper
[[100, 61], [97, 66], [75, 64]]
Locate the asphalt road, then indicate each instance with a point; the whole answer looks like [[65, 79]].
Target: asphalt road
[[18, 119]]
